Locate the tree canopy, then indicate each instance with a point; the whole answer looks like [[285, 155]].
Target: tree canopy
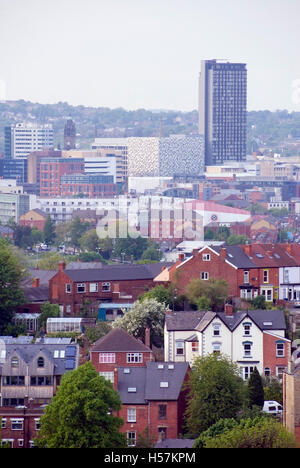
[[80, 414]]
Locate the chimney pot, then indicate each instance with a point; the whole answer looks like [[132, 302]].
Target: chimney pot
[[61, 266]]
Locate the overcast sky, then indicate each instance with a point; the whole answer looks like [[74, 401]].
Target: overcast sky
[[146, 53]]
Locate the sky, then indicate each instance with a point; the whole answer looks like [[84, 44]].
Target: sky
[[146, 53]]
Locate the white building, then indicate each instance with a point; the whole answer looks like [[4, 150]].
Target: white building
[[239, 336], [23, 138]]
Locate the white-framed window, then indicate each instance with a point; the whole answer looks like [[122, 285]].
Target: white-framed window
[[204, 275], [134, 357], [21, 442], [131, 415], [267, 371], [106, 287], [247, 329], [268, 294], [266, 276], [206, 257], [195, 346], [37, 424], [279, 349], [131, 439], [246, 277], [81, 287], [110, 376], [3, 423], [7, 443], [93, 287], [246, 294], [247, 371], [179, 348], [216, 329], [107, 358], [279, 371], [17, 424], [247, 348], [68, 288], [216, 348]]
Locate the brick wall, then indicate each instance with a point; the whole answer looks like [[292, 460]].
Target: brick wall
[[269, 353]]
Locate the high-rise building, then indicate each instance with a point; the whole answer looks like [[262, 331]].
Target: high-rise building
[[223, 110], [21, 139], [69, 135]]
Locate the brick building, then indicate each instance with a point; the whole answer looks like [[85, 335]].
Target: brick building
[[272, 271], [73, 289], [34, 219], [51, 171], [151, 392]]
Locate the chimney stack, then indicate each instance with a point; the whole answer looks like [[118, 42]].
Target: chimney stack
[[147, 337], [223, 252], [35, 282], [116, 379], [289, 249], [228, 310], [61, 266], [181, 257], [247, 249]]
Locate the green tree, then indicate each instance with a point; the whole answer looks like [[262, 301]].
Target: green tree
[[209, 234], [81, 413], [50, 261], [164, 295], [236, 239], [272, 389], [77, 229], [11, 294], [255, 390], [48, 310], [214, 290], [258, 303], [263, 432], [216, 391], [89, 241], [129, 248], [149, 313], [49, 231]]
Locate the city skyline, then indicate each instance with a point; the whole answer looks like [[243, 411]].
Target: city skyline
[[139, 54]]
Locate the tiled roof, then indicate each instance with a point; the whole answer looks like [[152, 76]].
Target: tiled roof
[[187, 320], [117, 340]]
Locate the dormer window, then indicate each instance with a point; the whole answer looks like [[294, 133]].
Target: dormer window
[[40, 362]]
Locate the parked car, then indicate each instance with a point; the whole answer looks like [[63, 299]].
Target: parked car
[[272, 407]]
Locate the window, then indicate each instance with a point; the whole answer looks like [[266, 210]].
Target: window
[[267, 371], [164, 384], [216, 329], [162, 411], [266, 276], [268, 294], [108, 376], [3, 423], [105, 287], [81, 287], [93, 287], [68, 288], [15, 362], [279, 371], [247, 348], [204, 275], [195, 346], [246, 294], [216, 348], [246, 277], [179, 348], [131, 415], [40, 362], [247, 371], [20, 442], [206, 257], [107, 358], [134, 357], [13, 380], [41, 380], [162, 433], [17, 424], [247, 329], [279, 349], [131, 439]]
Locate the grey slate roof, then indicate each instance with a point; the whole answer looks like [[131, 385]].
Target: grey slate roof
[[264, 319], [28, 352], [122, 272], [39, 294], [43, 275], [236, 256], [118, 340], [188, 320], [146, 382]]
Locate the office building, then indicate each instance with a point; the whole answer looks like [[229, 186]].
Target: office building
[[51, 171], [114, 147], [223, 110], [22, 138], [15, 169], [165, 157], [90, 185]]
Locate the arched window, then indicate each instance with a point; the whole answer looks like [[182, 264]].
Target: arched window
[[40, 362]]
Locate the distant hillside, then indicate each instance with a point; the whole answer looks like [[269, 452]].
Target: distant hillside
[[274, 130]]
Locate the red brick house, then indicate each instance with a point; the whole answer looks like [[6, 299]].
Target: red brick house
[[73, 289], [250, 270], [119, 349], [34, 219], [276, 354]]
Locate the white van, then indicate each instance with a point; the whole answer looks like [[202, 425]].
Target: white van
[[272, 407]]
